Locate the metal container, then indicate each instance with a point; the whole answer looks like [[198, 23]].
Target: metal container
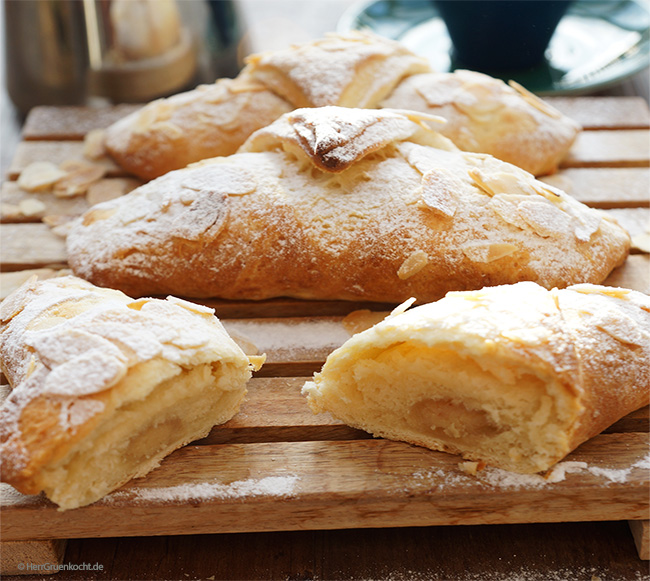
[[71, 52]]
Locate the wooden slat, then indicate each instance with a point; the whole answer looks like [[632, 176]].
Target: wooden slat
[[634, 274], [605, 187], [25, 246], [641, 532], [604, 112], [323, 485], [624, 148], [275, 411], [71, 123], [31, 557]]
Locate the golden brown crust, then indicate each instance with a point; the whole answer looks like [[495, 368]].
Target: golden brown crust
[[81, 361], [485, 115], [405, 214], [515, 376], [347, 70], [352, 70], [209, 121]]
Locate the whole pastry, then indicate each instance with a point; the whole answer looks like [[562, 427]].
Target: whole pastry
[[104, 386], [357, 69], [339, 203], [515, 375]]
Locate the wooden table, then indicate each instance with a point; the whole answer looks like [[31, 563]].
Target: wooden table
[[575, 529]]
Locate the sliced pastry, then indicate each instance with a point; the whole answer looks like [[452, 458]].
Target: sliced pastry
[[104, 386], [515, 376]]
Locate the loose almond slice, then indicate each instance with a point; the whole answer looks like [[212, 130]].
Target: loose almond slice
[[40, 176]]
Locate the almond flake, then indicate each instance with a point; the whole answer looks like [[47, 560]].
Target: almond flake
[[76, 183], [545, 219], [39, 176], [488, 251], [413, 264], [31, 207], [439, 191], [535, 101], [642, 242]]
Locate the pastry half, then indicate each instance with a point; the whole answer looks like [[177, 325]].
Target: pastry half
[[342, 203], [516, 376], [104, 386]]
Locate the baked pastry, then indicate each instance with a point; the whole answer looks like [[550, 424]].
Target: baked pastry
[[340, 203], [484, 114], [516, 376], [209, 121], [357, 69], [104, 386]]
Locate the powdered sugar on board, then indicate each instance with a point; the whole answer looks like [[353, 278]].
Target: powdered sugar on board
[[275, 486], [442, 479]]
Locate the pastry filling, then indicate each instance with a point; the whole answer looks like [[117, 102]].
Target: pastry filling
[[506, 414], [139, 433]]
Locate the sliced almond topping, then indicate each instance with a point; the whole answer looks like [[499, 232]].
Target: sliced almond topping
[[40, 176], [506, 207], [488, 251], [535, 101], [413, 264], [94, 144], [587, 225], [440, 191], [545, 219], [479, 181]]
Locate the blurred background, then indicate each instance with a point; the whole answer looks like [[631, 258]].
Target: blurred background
[[96, 52]]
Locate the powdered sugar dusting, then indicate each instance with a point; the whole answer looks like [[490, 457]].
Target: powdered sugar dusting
[[275, 486], [441, 479]]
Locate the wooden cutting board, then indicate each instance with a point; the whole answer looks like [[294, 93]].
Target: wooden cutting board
[[276, 466]]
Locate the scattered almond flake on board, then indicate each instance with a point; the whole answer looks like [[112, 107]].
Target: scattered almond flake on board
[[39, 176], [641, 242], [31, 207], [10, 211], [276, 486], [59, 224], [77, 182]]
